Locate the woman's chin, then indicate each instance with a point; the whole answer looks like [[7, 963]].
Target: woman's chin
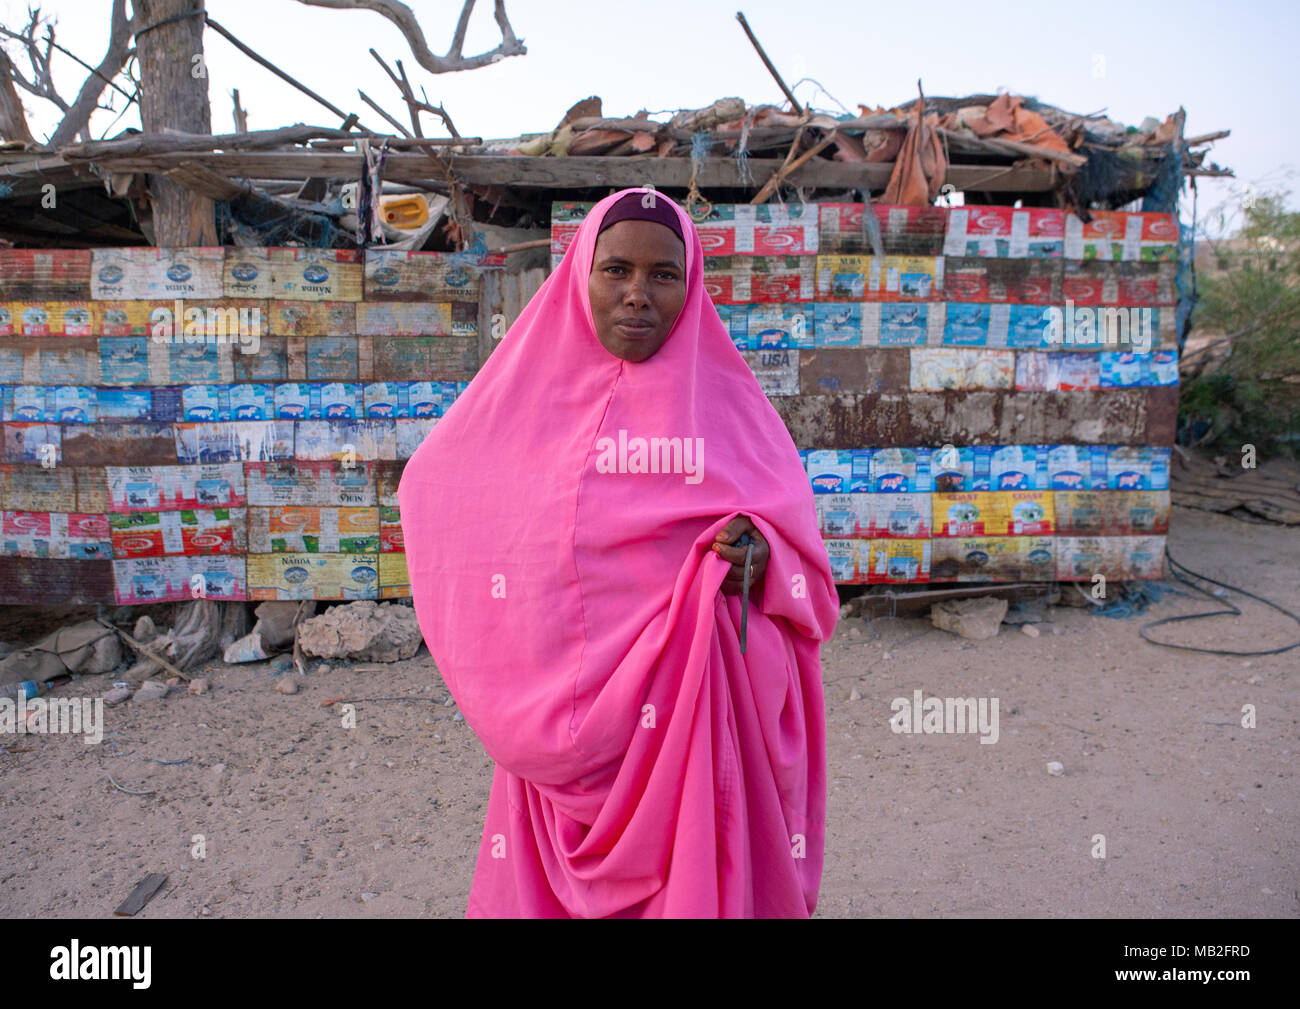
[[632, 351]]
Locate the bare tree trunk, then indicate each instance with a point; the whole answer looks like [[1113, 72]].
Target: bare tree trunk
[[13, 120], [174, 94]]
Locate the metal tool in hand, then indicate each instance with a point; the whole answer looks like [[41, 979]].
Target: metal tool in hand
[[746, 541]]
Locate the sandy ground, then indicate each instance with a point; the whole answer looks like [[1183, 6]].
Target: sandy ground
[[302, 818]]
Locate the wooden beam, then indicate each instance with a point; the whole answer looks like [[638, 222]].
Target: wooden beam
[[580, 172], [1206, 138], [891, 602], [63, 177], [397, 142], [878, 121], [1013, 147], [205, 181], [149, 144]]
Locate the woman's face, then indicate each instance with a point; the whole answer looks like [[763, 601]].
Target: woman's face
[[637, 287]]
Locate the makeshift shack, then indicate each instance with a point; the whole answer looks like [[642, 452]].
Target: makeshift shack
[[985, 391]]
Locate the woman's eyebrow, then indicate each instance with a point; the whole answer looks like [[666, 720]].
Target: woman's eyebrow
[[662, 262]]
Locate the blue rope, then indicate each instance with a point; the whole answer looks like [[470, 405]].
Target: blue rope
[[1134, 598], [741, 154], [701, 143]]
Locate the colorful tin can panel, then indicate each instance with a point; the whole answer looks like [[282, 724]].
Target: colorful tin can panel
[[346, 483], [1005, 232], [894, 560], [170, 579], [993, 558], [59, 274], [316, 274], [292, 529], [54, 534], [313, 576], [147, 272]]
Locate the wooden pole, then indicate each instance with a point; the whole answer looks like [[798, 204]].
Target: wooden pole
[[174, 95], [348, 119], [798, 109], [145, 651]]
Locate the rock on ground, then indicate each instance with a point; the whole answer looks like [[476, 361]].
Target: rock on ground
[[363, 631], [976, 619], [88, 647], [273, 632], [276, 619], [151, 690], [117, 695], [145, 630]]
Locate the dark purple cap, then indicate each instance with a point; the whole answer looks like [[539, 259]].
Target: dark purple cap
[[644, 207]]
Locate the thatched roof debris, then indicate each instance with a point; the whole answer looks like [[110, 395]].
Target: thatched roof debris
[[993, 144]]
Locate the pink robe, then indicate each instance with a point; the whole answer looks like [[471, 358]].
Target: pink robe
[[645, 767]]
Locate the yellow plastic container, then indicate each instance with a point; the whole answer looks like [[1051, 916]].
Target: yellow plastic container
[[404, 210]]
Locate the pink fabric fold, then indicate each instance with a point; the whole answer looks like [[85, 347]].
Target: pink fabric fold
[[645, 767]]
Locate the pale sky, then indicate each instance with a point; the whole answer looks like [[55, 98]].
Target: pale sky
[[1232, 66]]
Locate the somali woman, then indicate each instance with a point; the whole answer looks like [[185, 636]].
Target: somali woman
[[570, 527]]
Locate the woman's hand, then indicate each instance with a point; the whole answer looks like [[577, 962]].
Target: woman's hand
[[731, 532]]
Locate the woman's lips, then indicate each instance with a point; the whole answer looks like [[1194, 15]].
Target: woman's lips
[[634, 332]]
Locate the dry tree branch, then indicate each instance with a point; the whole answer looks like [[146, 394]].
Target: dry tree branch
[[402, 16], [369, 101], [41, 83], [107, 80], [76, 115], [239, 113], [414, 105], [438, 111], [121, 34]]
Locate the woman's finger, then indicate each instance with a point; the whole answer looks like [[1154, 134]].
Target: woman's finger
[[736, 555], [734, 582], [733, 529]]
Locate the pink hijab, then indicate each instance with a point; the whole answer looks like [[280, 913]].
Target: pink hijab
[[645, 767]]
